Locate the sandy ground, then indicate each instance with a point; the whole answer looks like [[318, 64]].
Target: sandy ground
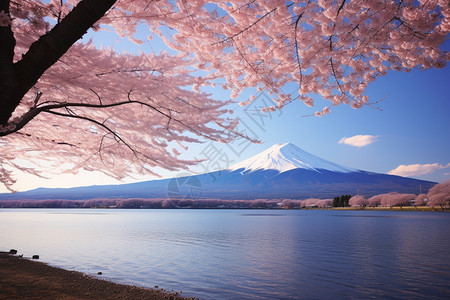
[[22, 278]]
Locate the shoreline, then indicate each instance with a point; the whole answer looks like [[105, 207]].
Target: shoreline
[[394, 208], [23, 278], [367, 208]]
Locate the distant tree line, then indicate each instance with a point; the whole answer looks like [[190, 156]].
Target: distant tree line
[[342, 201], [164, 203], [439, 195]]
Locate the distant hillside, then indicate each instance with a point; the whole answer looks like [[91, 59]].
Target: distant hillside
[[282, 171]]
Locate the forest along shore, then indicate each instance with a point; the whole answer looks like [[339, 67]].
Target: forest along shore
[[22, 278]]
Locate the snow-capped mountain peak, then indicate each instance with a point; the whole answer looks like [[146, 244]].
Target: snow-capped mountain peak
[[285, 157]]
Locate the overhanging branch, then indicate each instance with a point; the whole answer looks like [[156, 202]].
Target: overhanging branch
[[33, 112], [48, 49], [119, 139]]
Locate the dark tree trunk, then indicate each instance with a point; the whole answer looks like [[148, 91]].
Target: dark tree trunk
[[16, 79], [8, 81]]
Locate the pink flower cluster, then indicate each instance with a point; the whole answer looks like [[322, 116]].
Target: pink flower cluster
[[121, 113], [438, 195], [5, 20]]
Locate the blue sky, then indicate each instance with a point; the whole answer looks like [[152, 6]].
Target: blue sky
[[412, 128]]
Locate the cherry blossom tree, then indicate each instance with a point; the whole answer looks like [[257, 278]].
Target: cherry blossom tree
[[310, 202], [324, 203], [385, 199], [439, 194], [420, 200], [289, 203], [314, 202], [68, 105], [374, 201], [358, 201], [402, 199], [396, 199]]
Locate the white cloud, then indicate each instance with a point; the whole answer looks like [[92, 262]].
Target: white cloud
[[360, 140], [417, 169]]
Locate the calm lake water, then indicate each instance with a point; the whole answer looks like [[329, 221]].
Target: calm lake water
[[245, 254]]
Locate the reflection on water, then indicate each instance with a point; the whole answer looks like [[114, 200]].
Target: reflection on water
[[245, 254], [263, 215]]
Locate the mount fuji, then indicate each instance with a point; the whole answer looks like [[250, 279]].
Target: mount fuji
[[282, 171], [286, 157]]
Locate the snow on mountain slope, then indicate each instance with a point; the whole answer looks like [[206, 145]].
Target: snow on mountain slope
[[285, 157]]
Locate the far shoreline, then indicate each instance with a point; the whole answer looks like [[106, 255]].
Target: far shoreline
[[348, 208]]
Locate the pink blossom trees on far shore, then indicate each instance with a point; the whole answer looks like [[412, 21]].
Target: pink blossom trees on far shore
[[420, 200], [396, 199], [289, 203], [358, 201], [401, 199], [310, 202], [374, 201], [439, 195], [314, 202], [66, 105], [324, 203]]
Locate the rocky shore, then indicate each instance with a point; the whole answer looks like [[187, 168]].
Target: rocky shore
[[21, 278]]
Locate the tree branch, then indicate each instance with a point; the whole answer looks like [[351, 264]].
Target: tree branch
[[247, 28], [32, 113], [109, 130], [296, 50], [50, 47], [337, 80], [340, 7]]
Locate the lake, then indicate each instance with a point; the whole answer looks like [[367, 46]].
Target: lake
[[245, 254]]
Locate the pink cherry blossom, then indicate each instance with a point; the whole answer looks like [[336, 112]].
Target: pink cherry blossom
[[5, 20], [121, 113], [358, 201], [439, 194]]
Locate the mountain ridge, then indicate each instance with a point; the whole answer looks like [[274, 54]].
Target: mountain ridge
[[281, 171]]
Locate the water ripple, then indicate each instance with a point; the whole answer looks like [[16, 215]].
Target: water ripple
[[234, 254]]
